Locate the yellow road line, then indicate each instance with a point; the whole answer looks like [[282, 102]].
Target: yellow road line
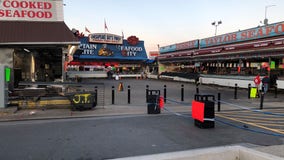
[[266, 122], [252, 124], [273, 125], [264, 117]]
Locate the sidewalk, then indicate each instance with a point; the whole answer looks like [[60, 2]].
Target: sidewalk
[[12, 114]]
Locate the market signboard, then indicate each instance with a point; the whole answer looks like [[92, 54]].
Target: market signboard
[[271, 30], [31, 10], [169, 48], [105, 38], [187, 45], [130, 49]]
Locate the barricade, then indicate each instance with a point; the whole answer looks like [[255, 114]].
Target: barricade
[[203, 111], [153, 104]]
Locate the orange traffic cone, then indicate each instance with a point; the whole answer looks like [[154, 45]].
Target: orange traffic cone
[[120, 86]]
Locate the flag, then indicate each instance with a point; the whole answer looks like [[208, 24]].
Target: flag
[[106, 26], [87, 30]]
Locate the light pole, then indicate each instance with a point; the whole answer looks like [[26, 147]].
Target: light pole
[[265, 16], [216, 24]]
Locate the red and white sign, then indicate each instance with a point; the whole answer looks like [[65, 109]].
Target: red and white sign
[[31, 10], [198, 110]]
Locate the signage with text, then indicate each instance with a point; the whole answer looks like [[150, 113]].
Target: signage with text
[[169, 48], [124, 51], [105, 38], [271, 30], [187, 45], [31, 10]]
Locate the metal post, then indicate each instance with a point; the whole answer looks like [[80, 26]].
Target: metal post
[[165, 93], [182, 92], [219, 103], [96, 96], [128, 95], [236, 90], [275, 91], [197, 88], [112, 95], [261, 100], [147, 89], [249, 89]]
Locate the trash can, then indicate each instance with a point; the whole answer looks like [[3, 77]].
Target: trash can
[[203, 111], [153, 102], [82, 100]]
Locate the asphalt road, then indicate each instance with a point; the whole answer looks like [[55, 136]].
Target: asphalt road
[[115, 136], [122, 136]]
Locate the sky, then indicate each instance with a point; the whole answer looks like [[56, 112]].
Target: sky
[[166, 22]]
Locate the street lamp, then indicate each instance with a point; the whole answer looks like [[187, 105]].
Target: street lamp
[[265, 17], [216, 24]]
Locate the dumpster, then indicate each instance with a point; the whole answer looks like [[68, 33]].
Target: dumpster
[[153, 105], [203, 111]]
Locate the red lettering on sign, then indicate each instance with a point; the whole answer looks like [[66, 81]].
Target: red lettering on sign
[[243, 35], [26, 4], [6, 4], [279, 28], [269, 29], [2, 13], [32, 5], [251, 33], [47, 5], [234, 37], [260, 32]]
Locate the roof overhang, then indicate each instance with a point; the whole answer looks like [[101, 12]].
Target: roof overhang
[[17, 33]]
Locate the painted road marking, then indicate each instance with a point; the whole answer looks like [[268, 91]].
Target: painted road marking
[[268, 122]]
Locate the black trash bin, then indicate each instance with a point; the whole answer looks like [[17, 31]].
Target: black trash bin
[[205, 109], [153, 102]]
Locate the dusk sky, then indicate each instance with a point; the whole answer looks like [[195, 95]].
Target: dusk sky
[[166, 22]]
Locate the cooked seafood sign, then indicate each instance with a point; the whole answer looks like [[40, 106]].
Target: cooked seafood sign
[[31, 10]]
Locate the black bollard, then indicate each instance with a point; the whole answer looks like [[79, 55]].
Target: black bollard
[[197, 88], [182, 92], [165, 93], [96, 96], [128, 99], [275, 91], [147, 89], [236, 90], [112, 95], [249, 88], [261, 100], [219, 103]]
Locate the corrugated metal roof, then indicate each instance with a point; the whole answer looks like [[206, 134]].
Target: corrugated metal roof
[[35, 33]]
